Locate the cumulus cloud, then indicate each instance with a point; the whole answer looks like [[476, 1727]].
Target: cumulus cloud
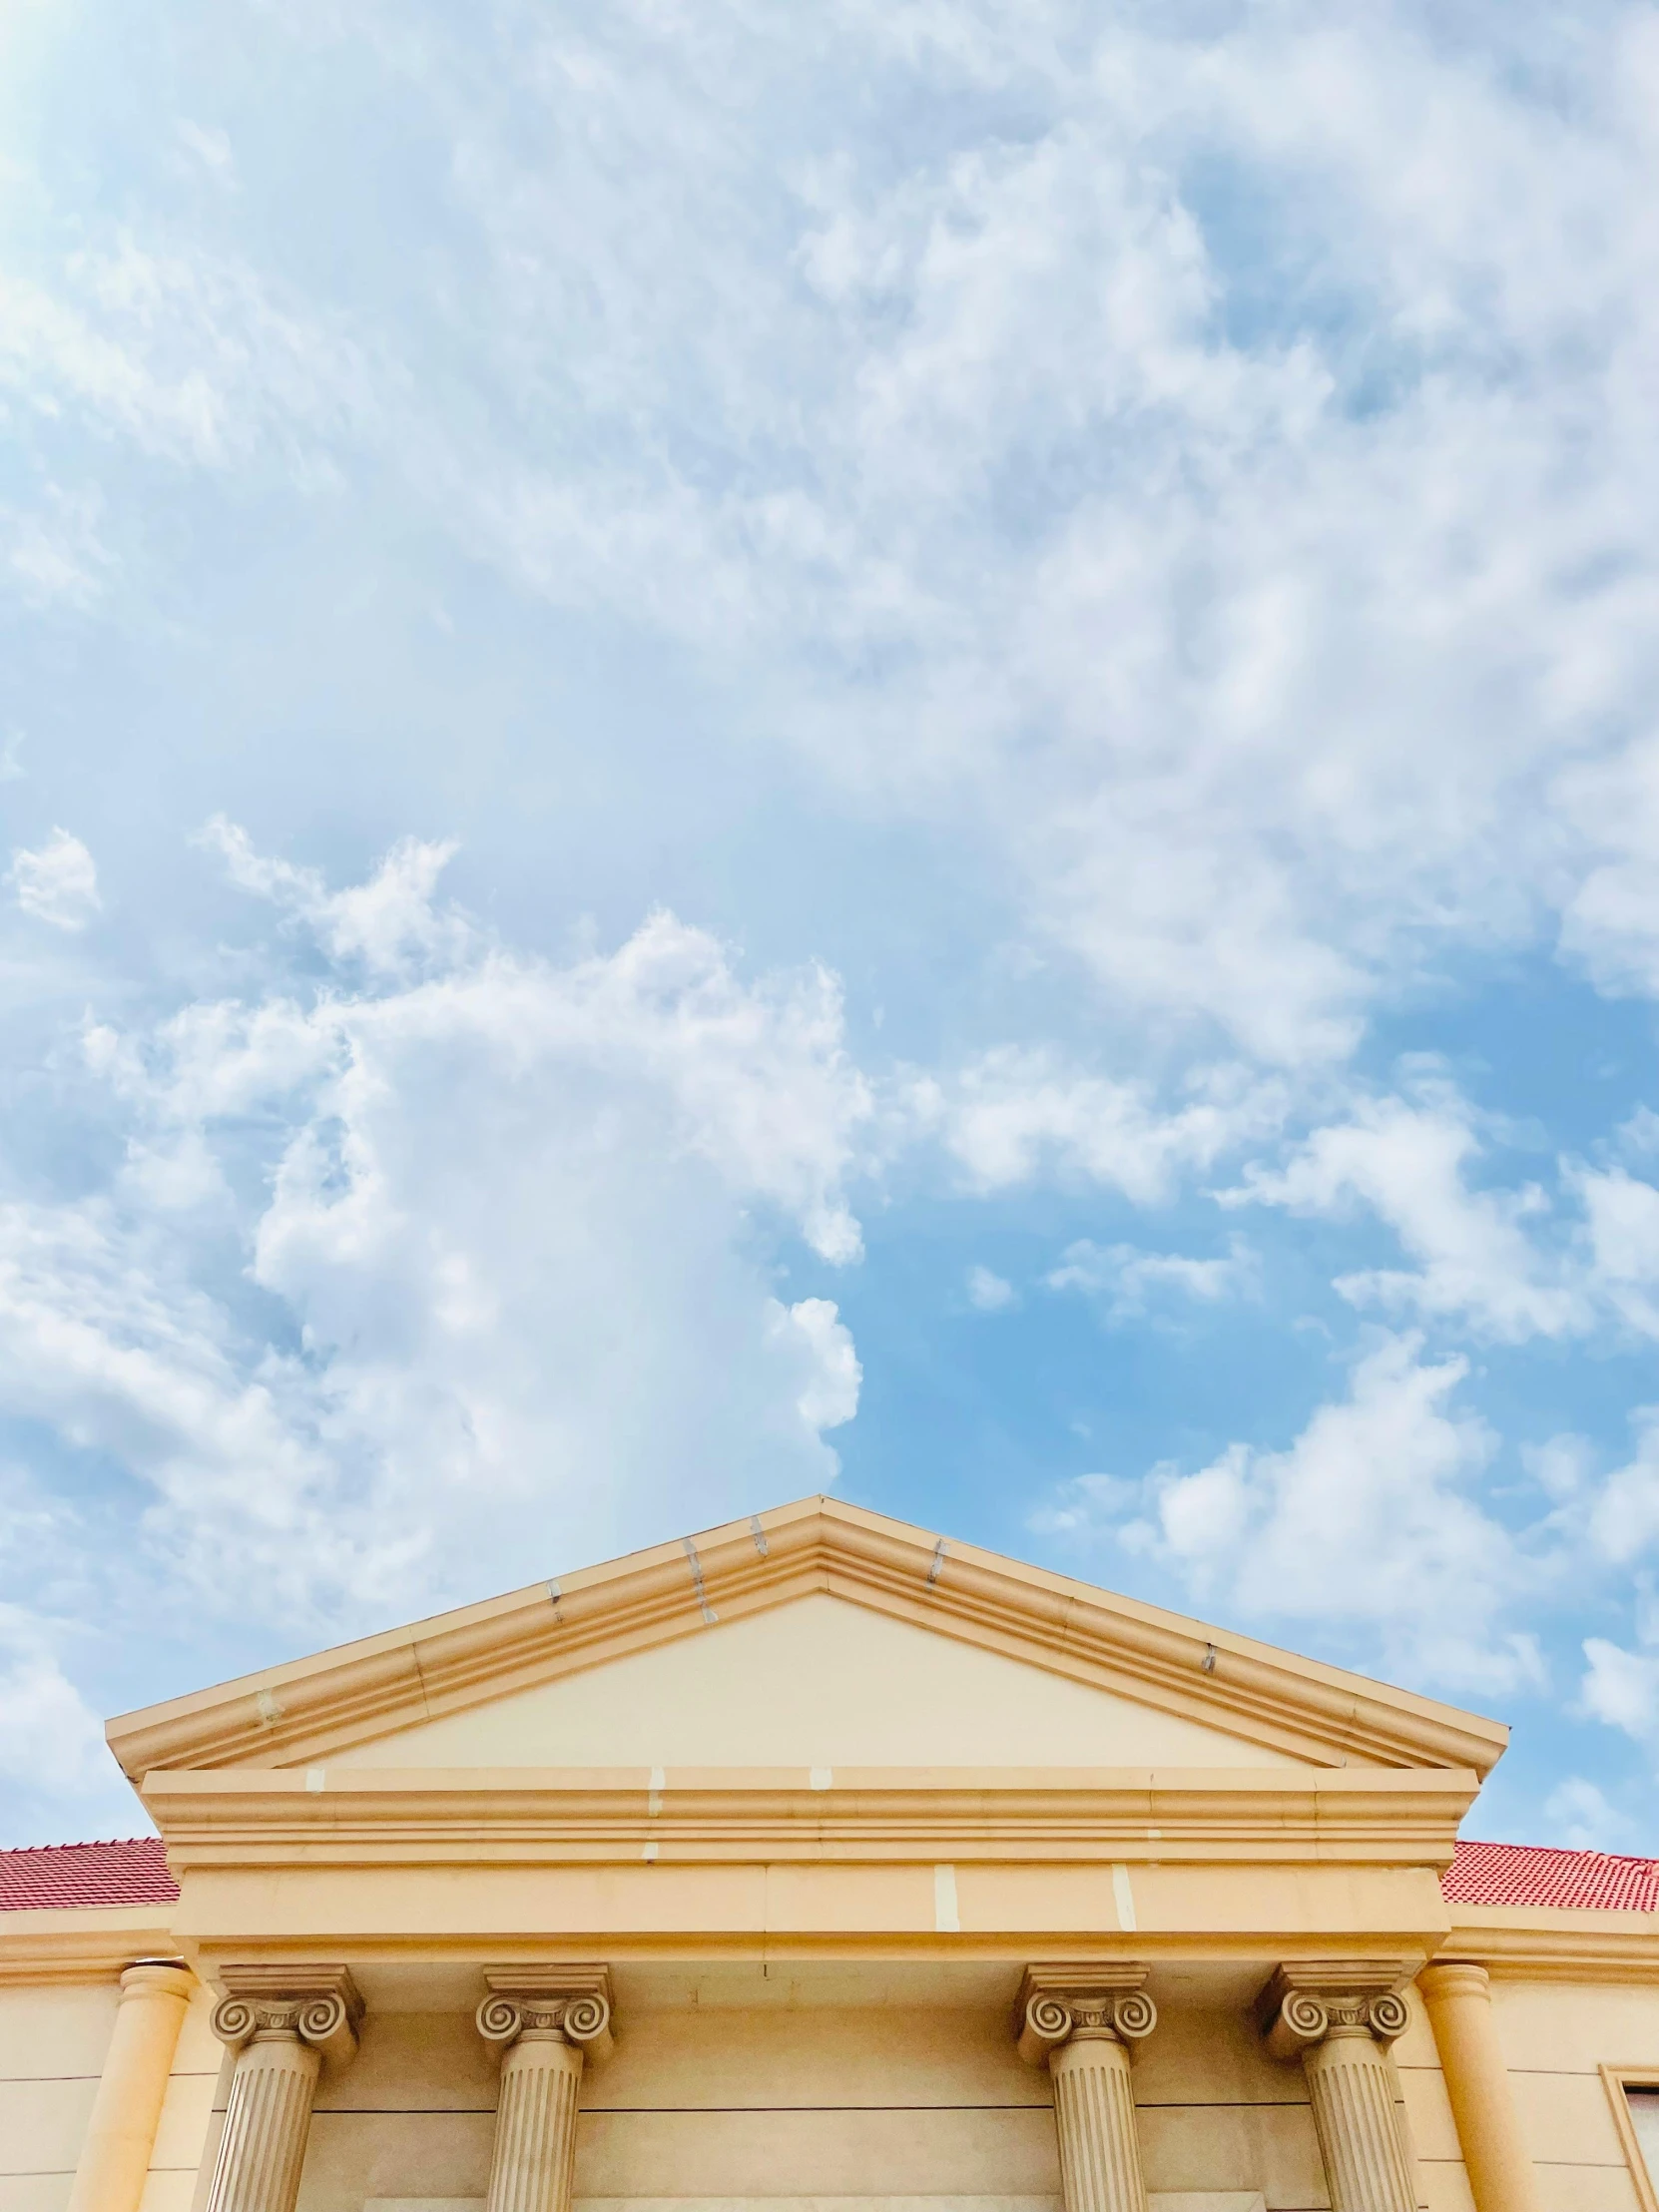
[[57, 883], [1369, 1525], [1409, 1161], [1253, 622], [1256, 624], [1127, 1281], [497, 1218], [384, 922], [988, 1292], [1621, 1213], [834, 1375], [1198, 467], [1621, 1688], [51, 1744], [1584, 1820], [1012, 1116], [1624, 1508]]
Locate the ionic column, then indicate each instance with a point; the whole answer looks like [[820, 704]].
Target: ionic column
[[121, 2131], [543, 2020], [1459, 2001], [1338, 2020], [284, 2023], [1084, 2022]]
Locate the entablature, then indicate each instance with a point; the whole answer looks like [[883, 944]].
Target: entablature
[[380, 1816]]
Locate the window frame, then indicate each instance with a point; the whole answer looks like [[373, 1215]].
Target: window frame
[[1616, 2080]]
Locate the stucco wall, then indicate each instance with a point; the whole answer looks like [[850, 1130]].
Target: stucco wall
[[52, 2045], [1555, 2037], [53, 2041]]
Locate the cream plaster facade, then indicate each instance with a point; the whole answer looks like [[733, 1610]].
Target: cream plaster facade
[[817, 1862]]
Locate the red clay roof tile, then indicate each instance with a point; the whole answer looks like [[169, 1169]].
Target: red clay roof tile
[[130, 1871], [1534, 1874]]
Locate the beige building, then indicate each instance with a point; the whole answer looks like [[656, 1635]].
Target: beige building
[[818, 1859]]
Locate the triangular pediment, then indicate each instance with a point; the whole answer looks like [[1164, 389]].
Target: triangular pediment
[[814, 1636], [821, 1682]]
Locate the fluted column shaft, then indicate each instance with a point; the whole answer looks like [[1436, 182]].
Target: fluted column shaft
[[284, 2023], [535, 2127], [1094, 2114], [121, 2131], [1085, 2021], [1352, 2087], [263, 2149], [545, 2022], [1458, 1997]]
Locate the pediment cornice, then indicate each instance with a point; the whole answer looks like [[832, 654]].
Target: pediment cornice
[[312, 1709]]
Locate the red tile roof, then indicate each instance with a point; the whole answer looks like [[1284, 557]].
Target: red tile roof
[[133, 1871], [1533, 1874]]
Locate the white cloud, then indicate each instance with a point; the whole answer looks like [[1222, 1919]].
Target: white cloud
[[1249, 619], [50, 1743], [1622, 1688], [1408, 1162], [1622, 1223], [1127, 1281], [1013, 1116], [988, 1292], [1624, 1510], [53, 553], [384, 922], [206, 144], [1271, 597], [57, 883], [830, 1395], [1583, 1818], [1368, 1524], [509, 1220], [1561, 1465]]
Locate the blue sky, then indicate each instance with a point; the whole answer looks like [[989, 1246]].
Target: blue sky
[[904, 746]]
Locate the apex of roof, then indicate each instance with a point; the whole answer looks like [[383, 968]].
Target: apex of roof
[[125, 1870], [312, 1709]]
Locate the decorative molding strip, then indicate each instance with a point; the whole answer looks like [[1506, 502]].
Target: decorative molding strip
[[383, 1816], [1544, 1946], [95, 1944]]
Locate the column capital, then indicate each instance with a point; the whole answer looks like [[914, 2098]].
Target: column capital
[[317, 2005], [1307, 2001], [567, 2004], [1085, 2002]]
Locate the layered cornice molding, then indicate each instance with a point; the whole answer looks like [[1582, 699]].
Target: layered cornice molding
[[383, 1817], [317, 1707], [82, 1943], [1538, 1944]]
